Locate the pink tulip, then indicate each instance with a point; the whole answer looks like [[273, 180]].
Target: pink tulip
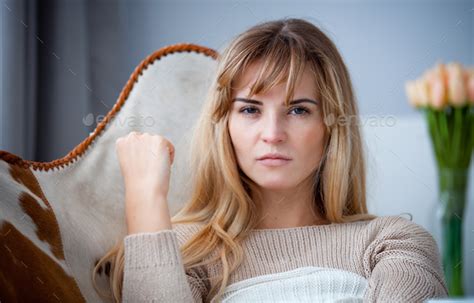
[[456, 85], [436, 79], [438, 92], [422, 91], [411, 91], [470, 85]]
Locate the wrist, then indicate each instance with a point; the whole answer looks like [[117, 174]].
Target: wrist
[[148, 218], [141, 193], [146, 211]]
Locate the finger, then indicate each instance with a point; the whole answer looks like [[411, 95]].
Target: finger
[[170, 150], [135, 133], [172, 155]]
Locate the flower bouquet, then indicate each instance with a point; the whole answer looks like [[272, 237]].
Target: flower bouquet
[[445, 94]]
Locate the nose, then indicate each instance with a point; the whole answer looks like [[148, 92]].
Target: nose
[[273, 130]]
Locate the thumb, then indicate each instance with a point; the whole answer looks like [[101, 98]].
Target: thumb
[[171, 152]]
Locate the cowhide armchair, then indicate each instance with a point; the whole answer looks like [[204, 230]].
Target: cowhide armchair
[[58, 218]]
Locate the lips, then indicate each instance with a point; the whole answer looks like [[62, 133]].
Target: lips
[[273, 162], [274, 156]]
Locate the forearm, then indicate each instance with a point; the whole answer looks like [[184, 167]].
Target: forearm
[[153, 270], [146, 211]]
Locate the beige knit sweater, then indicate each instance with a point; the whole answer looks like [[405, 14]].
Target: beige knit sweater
[[397, 258]]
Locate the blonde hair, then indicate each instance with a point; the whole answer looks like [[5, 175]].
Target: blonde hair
[[221, 194]]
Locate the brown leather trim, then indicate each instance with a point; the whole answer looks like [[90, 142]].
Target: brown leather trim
[[82, 147]]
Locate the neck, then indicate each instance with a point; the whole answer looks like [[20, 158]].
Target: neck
[[278, 209]]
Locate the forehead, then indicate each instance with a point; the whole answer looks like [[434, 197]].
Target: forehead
[[249, 75]]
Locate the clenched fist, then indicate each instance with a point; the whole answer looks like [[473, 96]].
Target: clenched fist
[[145, 162]]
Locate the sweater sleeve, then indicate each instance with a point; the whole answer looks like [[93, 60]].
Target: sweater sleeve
[[154, 271], [403, 264]]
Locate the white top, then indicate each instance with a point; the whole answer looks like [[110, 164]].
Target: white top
[[304, 284]]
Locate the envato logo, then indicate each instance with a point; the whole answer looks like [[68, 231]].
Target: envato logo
[[129, 121], [370, 120]]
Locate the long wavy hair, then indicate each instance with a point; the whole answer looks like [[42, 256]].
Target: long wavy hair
[[221, 195]]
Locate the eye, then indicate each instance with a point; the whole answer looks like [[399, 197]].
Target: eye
[[303, 110], [244, 110]]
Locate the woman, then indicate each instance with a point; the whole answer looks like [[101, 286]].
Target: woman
[[278, 204]]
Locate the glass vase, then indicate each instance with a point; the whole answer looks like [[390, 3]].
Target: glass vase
[[452, 199]]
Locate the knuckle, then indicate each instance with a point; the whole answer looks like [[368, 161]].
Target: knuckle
[[158, 138]]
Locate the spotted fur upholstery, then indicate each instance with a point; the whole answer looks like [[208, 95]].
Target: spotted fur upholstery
[[57, 218]]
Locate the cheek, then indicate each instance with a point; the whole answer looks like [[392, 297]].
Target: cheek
[[237, 136], [312, 141]]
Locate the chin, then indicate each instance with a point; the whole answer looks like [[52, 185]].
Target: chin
[[275, 184]]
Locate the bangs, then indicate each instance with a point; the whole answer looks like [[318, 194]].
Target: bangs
[[280, 62]]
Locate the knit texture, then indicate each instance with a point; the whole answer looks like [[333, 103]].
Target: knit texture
[[398, 258], [300, 285]]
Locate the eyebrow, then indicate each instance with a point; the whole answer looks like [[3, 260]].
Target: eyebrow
[[297, 101]]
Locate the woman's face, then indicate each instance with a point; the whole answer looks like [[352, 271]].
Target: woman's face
[[270, 127]]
